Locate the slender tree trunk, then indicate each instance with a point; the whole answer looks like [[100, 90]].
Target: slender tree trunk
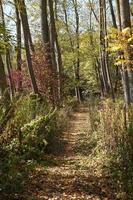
[[118, 27], [52, 33], [27, 48], [24, 10], [112, 14], [3, 80], [71, 42], [103, 53], [100, 77], [46, 34], [48, 51], [92, 9], [102, 49], [118, 14], [57, 60], [78, 89], [9, 75], [18, 49], [7, 53], [127, 69], [106, 53]]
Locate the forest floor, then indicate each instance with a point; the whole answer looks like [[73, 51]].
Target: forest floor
[[76, 173]]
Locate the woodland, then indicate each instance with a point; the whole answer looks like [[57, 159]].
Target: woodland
[[66, 99]]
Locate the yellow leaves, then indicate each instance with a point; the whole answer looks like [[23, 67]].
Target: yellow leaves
[[119, 61], [130, 40], [127, 32], [122, 196], [116, 47], [120, 42]]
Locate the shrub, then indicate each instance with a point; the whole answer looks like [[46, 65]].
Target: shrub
[[115, 140], [31, 129]]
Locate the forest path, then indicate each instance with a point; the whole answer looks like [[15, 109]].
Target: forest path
[[75, 174]]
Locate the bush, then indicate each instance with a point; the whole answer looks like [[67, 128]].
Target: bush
[[30, 129], [115, 140]]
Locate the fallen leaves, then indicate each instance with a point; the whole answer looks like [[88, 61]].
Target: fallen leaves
[[75, 175]]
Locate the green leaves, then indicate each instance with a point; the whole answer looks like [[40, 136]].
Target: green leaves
[[5, 38]]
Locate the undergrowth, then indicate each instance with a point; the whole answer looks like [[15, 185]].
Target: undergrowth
[[114, 137], [30, 129]]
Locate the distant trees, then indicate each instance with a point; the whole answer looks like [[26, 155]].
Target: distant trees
[[65, 41], [77, 66]]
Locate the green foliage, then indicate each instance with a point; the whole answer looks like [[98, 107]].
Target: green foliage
[[30, 130], [5, 37]]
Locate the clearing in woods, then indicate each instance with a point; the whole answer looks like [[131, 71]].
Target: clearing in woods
[[77, 173]]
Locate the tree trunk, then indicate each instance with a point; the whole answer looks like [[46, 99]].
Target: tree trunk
[[7, 53], [112, 14], [3, 80], [48, 51], [23, 9], [57, 60], [78, 89], [118, 14], [28, 54], [46, 34], [108, 88], [18, 49], [102, 49], [127, 69]]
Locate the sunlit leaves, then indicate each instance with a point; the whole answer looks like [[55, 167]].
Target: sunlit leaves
[[121, 43]]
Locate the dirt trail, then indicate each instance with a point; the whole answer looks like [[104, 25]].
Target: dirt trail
[[73, 175]]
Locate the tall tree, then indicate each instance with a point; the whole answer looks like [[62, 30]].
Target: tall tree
[[45, 31], [24, 10], [49, 54], [77, 69], [112, 14], [25, 26], [108, 88], [127, 73], [7, 51], [18, 47], [3, 80], [56, 52], [118, 14], [64, 7]]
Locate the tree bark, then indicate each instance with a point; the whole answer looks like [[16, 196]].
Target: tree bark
[[45, 33], [118, 14], [7, 53], [78, 89], [57, 60], [18, 48], [24, 10], [3, 80], [70, 40], [112, 14], [127, 68], [108, 88], [27, 48]]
